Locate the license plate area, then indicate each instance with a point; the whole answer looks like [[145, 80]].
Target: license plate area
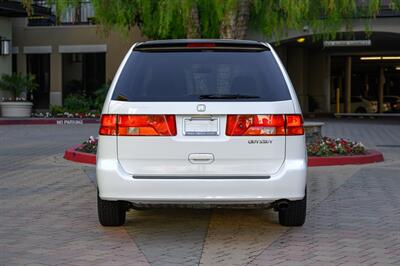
[[201, 126]]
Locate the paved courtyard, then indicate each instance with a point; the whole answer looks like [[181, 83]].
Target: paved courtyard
[[48, 211]]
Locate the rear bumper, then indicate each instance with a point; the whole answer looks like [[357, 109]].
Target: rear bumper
[[115, 184]]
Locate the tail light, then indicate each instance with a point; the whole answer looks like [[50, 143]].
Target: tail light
[[138, 125], [255, 125], [108, 125], [146, 125], [264, 125], [294, 125]]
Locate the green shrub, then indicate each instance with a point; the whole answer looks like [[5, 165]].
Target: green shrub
[[17, 84], [75, 103], [56, 109]]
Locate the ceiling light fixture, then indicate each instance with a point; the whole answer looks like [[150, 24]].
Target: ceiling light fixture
[[371, 58], [380, 58], [391, 57], [301, 40]]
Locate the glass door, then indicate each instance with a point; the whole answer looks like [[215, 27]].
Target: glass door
[[39, 65]]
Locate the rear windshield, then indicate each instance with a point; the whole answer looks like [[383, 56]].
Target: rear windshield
[[201, 75]]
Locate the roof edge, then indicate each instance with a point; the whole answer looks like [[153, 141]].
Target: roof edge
[[183, 43]]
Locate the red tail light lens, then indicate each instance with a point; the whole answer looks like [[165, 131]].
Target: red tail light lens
[[264, 125], [146, 125], [138, 125], [255, 125], [108, 125], [294, 125]]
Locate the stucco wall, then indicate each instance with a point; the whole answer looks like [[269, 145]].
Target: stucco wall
[[5, 60], [117, 45]]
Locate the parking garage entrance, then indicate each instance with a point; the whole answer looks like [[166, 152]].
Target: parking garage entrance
[[371, 82], [356, 73]]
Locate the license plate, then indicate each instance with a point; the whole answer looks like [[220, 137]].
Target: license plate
[[201, 126]]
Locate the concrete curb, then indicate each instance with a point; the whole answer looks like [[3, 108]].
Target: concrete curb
[[372, 156], [49, 121]]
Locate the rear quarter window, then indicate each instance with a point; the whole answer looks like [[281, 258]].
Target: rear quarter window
[[187, 75]]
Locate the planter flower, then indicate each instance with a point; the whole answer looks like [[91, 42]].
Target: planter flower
[[16, 85], [331, 147], [66, 115], [89, 146]]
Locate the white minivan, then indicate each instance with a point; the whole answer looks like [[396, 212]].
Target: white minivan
[[210, 123]]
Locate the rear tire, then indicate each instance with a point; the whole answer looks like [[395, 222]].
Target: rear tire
[[111, 213], [295, 214]]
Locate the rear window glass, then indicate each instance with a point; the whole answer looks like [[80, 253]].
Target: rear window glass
[[194, 75]]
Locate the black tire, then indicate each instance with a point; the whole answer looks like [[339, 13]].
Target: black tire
[[295, 213], [111, 213]]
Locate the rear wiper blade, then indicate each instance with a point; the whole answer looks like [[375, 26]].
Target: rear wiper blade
[[227, 96]]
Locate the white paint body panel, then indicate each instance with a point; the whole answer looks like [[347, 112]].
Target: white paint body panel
[[168, 173], [116, 184]]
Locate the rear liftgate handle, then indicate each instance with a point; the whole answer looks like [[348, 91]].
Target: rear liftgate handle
[[201, 158]]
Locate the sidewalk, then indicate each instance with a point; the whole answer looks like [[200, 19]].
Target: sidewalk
[[48, 121]]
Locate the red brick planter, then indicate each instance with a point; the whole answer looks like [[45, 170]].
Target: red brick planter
[[371, 157], [81, 157]]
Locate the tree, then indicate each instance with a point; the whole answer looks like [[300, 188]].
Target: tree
[[161, 19]]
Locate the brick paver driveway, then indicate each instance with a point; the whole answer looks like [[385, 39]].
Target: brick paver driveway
[[48, 212]]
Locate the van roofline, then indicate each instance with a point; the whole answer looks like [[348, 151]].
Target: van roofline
[[184, 43]]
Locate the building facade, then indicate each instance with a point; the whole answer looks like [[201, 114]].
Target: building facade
[[68, 59], [9, 12], [6, 34], [72, 57], [356, 69]]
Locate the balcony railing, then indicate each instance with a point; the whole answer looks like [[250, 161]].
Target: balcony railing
[[83, 13]]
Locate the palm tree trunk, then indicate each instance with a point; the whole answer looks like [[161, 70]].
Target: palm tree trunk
[[235, 23], [242, 20], [228, 25], [194, 23]]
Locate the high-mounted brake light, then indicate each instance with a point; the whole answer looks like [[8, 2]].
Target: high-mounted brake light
[[264, 125], [196, 45], [138, 125]]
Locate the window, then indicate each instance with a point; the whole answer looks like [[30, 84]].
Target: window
[[186, 76]]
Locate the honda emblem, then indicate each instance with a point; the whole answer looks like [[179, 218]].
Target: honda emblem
[[201, 108]]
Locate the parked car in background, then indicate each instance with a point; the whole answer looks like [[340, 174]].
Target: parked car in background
[[394, 102], [201, 122], [360, 104]]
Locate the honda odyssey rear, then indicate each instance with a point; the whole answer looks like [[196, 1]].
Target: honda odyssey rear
[[201, 122]]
